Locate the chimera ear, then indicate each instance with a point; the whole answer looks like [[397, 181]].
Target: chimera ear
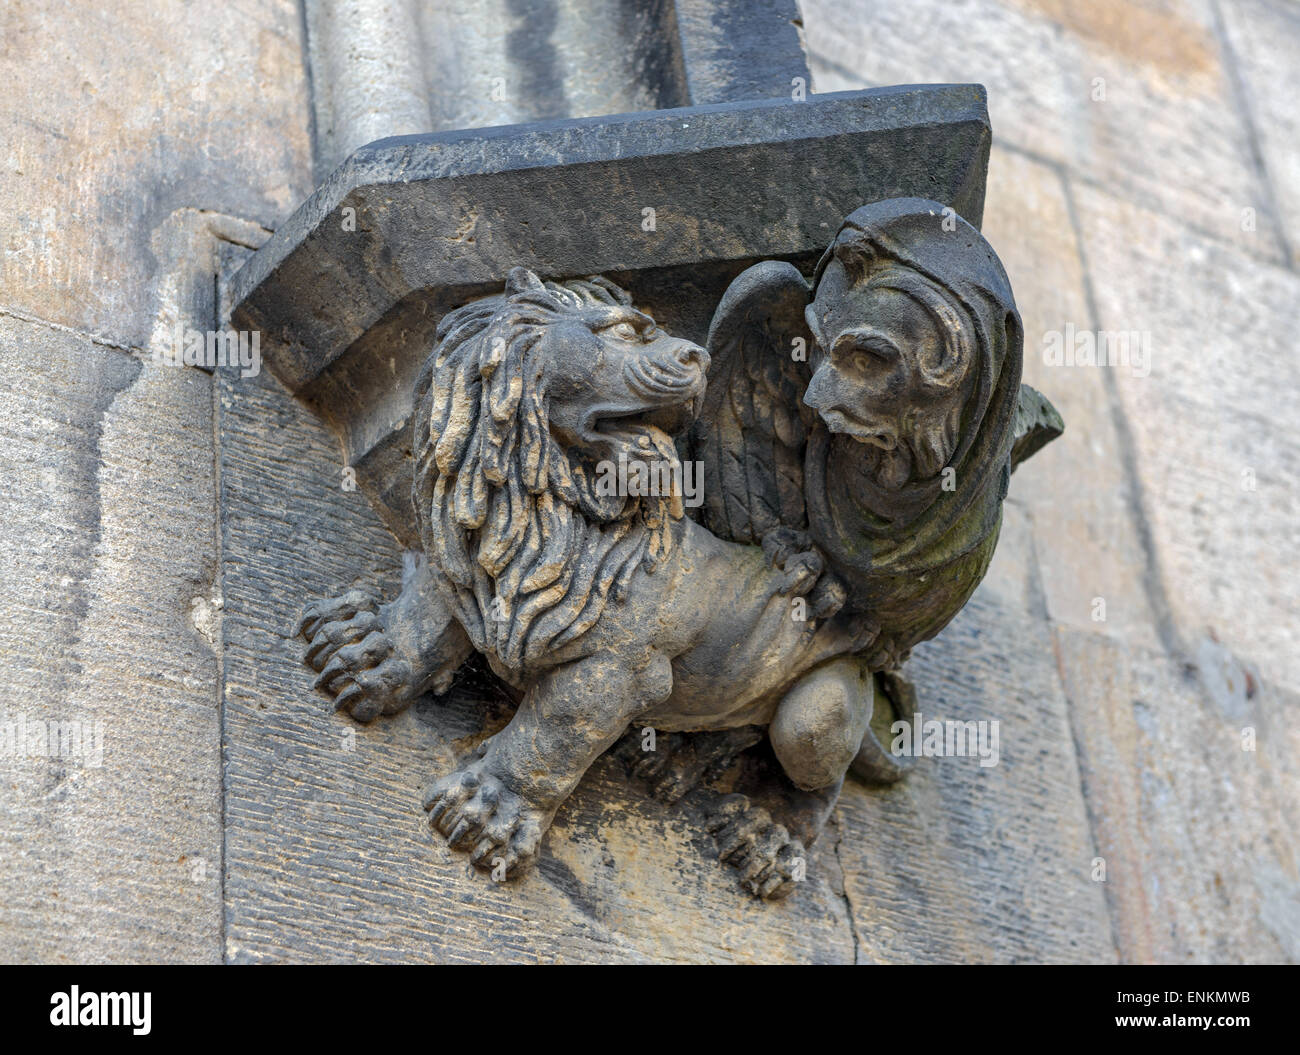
[[521, 280], [814, 326], [855, 252]]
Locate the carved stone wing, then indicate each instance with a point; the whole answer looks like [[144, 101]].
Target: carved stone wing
[[1036, 424], [752, 428]]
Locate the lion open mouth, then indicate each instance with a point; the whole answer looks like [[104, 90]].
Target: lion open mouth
[[665, 395], [646, 428]]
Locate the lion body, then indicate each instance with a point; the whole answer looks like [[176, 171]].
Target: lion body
[[541, 574], [727, 621], [602, 611]]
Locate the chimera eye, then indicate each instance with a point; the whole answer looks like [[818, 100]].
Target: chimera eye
[[861, 361], [624, 331]]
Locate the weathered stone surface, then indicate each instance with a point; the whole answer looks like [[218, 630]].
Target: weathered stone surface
[[369, 77], [1086, 535], [347, 301], [718, 179], [114, 131], [131, 136], [1264, 40], [964, 863], [110, 616], [1142, 506], [741, 49], [102, 146], [1168, 133], [1219, 478], [1190, 812], [382, 68], [1201, 849]]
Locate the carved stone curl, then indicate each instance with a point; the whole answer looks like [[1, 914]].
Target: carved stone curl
[[855, 439]]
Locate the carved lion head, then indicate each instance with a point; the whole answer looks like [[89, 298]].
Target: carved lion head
[[526, 394]]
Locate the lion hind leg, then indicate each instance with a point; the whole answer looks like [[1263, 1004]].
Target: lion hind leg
[[819, 725], [674, 764], [769, 858]]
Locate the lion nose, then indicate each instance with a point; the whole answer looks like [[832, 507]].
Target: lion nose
[[693, 355]]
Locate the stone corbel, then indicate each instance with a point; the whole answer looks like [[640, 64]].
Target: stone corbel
[[793, 296]]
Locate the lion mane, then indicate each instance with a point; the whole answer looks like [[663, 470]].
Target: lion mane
[[527, 550]]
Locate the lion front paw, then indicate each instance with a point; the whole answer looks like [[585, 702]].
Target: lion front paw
[[770, 860], [348, 646], [478, 813]]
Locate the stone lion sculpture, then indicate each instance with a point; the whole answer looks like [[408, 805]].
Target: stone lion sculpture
[[852, 497]]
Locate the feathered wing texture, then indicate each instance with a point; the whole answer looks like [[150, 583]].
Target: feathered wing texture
[[752, 429], [1036, 424]]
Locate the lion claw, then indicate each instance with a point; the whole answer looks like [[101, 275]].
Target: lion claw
[[476, 812], [770, 860], [793, 553], [353, 656]]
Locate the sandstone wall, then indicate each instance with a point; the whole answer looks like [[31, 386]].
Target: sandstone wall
[[163, 526]]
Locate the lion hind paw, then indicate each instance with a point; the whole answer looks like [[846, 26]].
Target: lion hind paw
[[771, 861]]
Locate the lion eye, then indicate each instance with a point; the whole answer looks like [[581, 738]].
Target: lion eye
[[624, 331], [861, 362]]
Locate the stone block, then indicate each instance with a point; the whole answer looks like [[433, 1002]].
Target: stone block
[[1264, 40], [1086, 534], [111, 617], [967, 863], [1189, 808], [116, 118], [1218, 475], [1133, 96]]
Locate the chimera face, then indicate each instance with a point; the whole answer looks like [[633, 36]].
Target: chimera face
[[867, 383]]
